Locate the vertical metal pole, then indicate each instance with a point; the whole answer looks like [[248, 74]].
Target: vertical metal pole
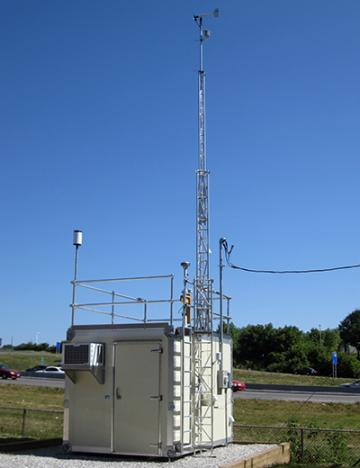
[[212, 362], [112, 307], [145, 312], [23, 422], [301, 444], [183, 361], [74, 285], [228, 299], [195, 302], [221, 266]]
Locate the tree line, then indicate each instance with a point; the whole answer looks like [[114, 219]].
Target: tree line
[[283, 349], [30, 346], [288, 349]]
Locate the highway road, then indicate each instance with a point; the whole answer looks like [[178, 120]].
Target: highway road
[[293, 395], [35, 381], [248, 394]]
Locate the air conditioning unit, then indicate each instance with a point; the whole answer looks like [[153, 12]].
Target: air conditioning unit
[[84, 357]]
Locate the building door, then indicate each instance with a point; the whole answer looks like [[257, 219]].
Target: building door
[[137, 397]]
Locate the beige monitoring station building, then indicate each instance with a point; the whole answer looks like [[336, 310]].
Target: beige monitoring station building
[[147, 386]]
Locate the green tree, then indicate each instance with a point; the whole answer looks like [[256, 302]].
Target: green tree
[[348, 366], [350, 330], [331, 339], [255, 343]]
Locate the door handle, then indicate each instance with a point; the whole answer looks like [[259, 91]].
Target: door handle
[[117, 392]]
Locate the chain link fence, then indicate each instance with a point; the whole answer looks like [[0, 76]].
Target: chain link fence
[[309, 445], [30, 423]]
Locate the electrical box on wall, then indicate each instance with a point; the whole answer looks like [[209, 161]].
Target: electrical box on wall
[[224, 380]]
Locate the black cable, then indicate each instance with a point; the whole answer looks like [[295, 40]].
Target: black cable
[[281, 272]]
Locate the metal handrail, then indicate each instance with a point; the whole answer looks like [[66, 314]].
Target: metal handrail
[[129, 300], [106, 291], [113, 280], [141, 301]]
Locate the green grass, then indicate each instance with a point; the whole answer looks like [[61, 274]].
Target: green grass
[[24, 396], [38, 425], [251, 412], [273, 413], [22, 360], [262, 377], [257, 412], [285, 418]]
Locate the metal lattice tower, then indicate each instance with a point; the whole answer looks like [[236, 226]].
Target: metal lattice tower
[[202, 362], [202, 299]]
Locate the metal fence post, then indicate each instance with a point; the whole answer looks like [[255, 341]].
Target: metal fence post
[[23, 422], [301, 443]]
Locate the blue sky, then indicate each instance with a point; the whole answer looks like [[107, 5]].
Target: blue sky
[[98, 131]]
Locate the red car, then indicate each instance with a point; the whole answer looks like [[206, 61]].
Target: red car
[[238, 386], [6, 373]]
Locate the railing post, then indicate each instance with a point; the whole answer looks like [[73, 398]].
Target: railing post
[[112, 307], [301, 444], [23, 422], [171, 298], [145, 312]]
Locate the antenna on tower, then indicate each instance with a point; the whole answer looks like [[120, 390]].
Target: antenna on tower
[[202, 299]]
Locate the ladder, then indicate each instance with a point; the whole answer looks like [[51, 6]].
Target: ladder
[[197, 378], [203, 392]]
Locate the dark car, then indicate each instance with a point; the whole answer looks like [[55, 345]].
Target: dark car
[[355, 384], [306, 371], [36, 368], [6, 373], [238, 386]]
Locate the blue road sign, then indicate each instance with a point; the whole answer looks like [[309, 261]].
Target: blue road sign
[[334, 358]]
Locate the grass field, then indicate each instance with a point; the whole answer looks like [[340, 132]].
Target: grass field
[[256, 412], [21, 360], [281, 421], [48, 422], [325, 415], [43, 424], [26, 396], [250, 376]]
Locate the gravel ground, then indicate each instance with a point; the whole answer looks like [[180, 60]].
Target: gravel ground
[[55, 458]]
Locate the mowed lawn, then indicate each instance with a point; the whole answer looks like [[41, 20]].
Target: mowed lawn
[[262, 377], [44, 424], [21, 360], [273, 413], [259, 412], [29, 397]]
